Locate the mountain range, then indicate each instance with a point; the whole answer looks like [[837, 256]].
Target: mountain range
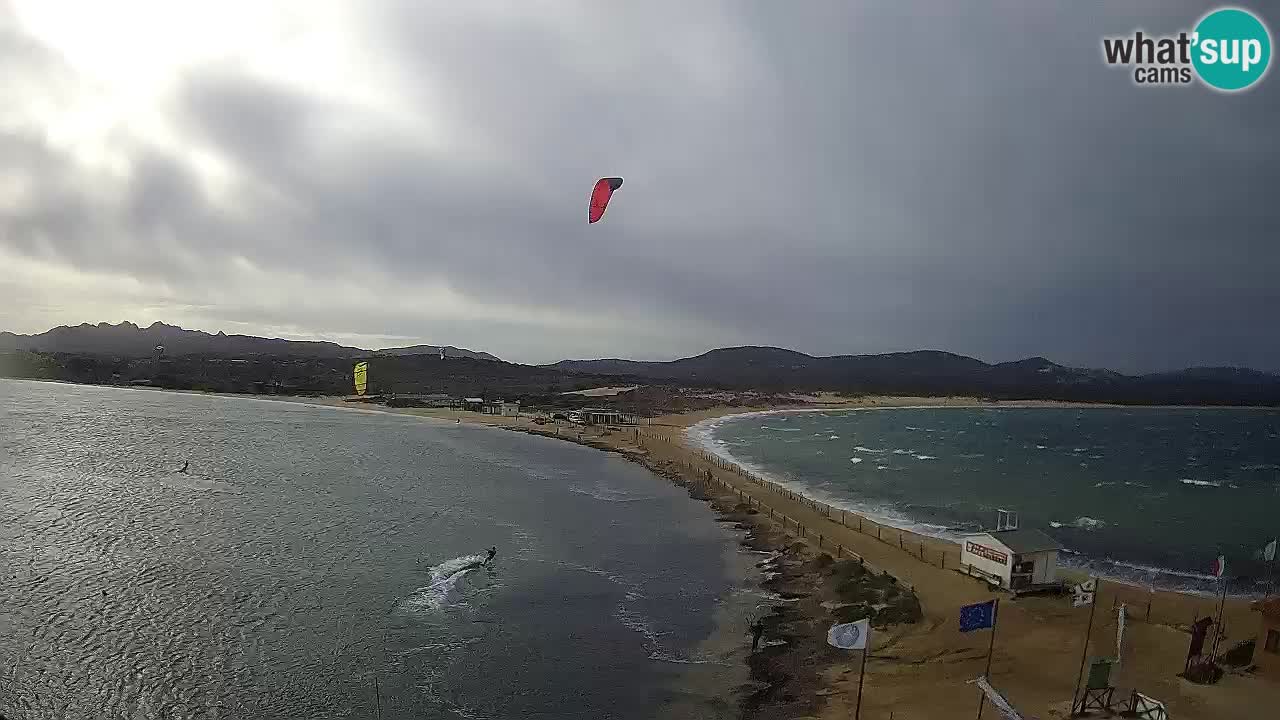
[[123, 352], [933, 372], [130, 341]]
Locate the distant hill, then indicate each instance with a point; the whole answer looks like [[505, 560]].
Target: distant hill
[[933, 372], [129, 340], [449, 352]]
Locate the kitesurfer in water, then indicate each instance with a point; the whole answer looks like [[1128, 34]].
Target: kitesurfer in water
[[491, 552], [185, 465]]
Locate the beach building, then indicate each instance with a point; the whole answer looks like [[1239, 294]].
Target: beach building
[[1266, 651], [1018, 559], [605, 416], [502, 408], [473, 403]]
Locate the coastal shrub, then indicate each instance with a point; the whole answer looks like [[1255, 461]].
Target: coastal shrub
[[905, 610], [822, 562], [853, 613], [1241, 655], [855, 590], [844, 569]]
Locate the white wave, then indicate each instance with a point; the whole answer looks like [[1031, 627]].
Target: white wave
[[862, 449], [608, 494], [834, 437], [445, 577], [1040, 447], [882, 467], [1078, 450], [903, 452], [1202, 483], [912, 428], [855, 460], [1105, 484], [1084, 522], [926, 457], [970, 456], [1257, 466]]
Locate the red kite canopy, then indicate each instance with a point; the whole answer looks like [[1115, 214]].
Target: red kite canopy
[[600, 197]]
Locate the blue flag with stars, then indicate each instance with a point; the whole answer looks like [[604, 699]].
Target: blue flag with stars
[[978, 616]]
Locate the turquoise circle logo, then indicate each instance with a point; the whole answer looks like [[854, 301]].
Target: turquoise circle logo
[[1232, 49]]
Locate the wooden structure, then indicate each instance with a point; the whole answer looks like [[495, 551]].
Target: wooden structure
[[1266, 651], [606, 416], [1146, 708], [1099, 693], [1017, 560]]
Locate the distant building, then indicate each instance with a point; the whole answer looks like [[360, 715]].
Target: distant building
[[504, 409], [473, 403], [606, 416], [1017, 560], [1266, 651]]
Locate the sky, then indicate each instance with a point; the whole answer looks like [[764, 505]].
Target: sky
[[829, 176]]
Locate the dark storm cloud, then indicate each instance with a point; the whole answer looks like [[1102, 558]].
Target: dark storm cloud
[[825, 176]]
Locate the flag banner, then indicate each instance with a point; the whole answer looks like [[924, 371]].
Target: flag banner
[[1269, 552], [1219, 566], [997, 700], [850, 636], [1119, 631], [978, 616], [1198, 633], [1083, 593]]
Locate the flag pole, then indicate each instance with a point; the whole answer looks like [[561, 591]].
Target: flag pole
[[862, 678], [1217, 631], [995, 620], [1084, 651], [1267, 586]]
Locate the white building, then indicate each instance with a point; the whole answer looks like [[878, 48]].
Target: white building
[[499, 407], [1016, 560]]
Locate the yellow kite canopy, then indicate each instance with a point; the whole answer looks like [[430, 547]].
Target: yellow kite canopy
[[362, 375]]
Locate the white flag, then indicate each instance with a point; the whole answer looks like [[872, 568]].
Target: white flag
[[850, 636], [1269, 552], [997, 700], [1084, 593], [1119, 631]]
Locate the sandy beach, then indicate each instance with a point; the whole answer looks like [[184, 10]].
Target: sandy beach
[[921, 670]]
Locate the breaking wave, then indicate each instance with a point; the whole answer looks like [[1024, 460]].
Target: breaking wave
[[445, 577]]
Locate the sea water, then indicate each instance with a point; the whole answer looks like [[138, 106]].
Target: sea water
[[1147, 495], [321, 563]]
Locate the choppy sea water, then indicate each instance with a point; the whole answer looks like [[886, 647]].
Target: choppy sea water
[[312, 554], [1149, 495]]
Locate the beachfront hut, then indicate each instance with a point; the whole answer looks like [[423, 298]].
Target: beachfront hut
[[501, 408], [1266, 651], [606, 416], [474, 404], [1017, 560]]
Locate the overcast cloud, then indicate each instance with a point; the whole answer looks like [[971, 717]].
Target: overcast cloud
[[833, 177]]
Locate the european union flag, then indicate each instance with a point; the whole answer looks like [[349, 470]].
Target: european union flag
[[978, 616]]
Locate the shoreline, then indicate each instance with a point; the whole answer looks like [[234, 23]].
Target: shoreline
[[921, 670], [918, 670], [1075, 565]]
